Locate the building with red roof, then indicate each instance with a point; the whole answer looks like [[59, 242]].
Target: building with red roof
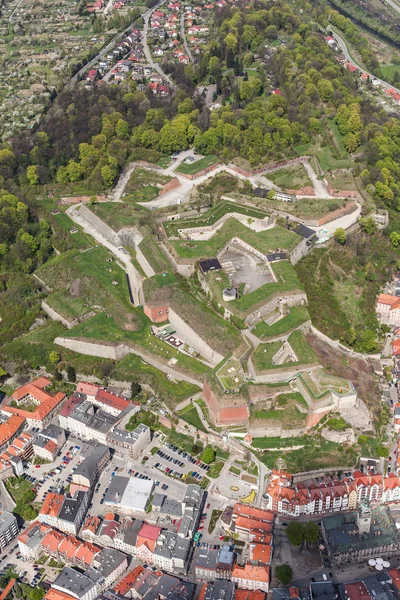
[[252, 577], [146, 542], [32, 403], [388, 309]]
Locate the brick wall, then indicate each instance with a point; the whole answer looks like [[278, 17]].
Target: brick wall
[[200, 173], [340, 212], [157, 314], [171, 185]]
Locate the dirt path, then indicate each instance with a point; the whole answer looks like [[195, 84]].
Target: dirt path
[[318, 185]]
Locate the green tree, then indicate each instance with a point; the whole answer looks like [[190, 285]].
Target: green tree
[[136, 388], [340, 235], [325, 89], [395, 238], [32, 175], [295, 532], [108, 175], [208, 455], [284, 574], [71, 374], [368, 225], [54, 357], [122, 129], [311, 532], [93, 200]]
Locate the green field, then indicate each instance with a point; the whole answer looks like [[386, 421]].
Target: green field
[[265, 241], [290, 178], [262, 356], [77, 240], [120, 214], [320, 383], [334, 129], [194, 167], [296, 316], [212, 216], [277, 442], [328, 162], [191, 416], [154, 255], [83, 281]]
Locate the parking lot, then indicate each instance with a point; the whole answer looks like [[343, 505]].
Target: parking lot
[[54, 476], [178, 464]]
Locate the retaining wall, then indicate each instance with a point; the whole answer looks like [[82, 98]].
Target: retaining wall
[[182, 269], [238, 216], [339, 346], [144, 263], [340, 193], [98, 224], [280, 374], [200, 173], [270, 167], [185, 332], [55, 315], [290, 298]]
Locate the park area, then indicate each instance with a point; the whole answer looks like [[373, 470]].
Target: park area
[[191, 168]]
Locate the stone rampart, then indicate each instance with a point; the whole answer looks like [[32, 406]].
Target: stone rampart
[[190, 337]]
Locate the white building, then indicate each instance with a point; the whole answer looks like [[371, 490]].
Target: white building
[[388, 310]]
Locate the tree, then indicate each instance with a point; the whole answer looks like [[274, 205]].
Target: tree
[[340, 235], [71, 374], [311, 532], [368, 225], [32, 175], [93, 200], [196, 449], [395, 238], [284, 574], [295, 533], [122, 129], [136, 388], [108, 175], [54, 357], [208, 455]]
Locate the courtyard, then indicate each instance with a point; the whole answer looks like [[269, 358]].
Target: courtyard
[[244, 268]]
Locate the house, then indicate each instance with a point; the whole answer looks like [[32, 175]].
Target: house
[[158, 52], [92, 75], [163, 90], [388, 309], [330, 41], [33, 403], [251, 577]]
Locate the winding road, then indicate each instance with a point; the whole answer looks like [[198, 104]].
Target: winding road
[[342, 45]]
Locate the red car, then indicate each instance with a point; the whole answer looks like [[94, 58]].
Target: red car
[[200, 528], [37, 466], [208, 505]]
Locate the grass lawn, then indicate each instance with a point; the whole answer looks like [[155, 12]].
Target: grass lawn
[[342, 180], [18, 488], [121, 214], [154, 255], [320, 383], [144, 185], [307, 208], [291, 178], [212, 216], [316, 454], [234, 470], [296, 316], [215, 515], [101, 327], [265, 443], [328, 162], [191, 416], [265, 241], [87, 278], [262, 356], [198, 165], [334, 129], [337, 424], [133, 368], [77, 240], [216, 468]]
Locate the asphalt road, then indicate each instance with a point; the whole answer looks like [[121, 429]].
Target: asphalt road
[[155, 66], [384, 84], [183, 37]]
